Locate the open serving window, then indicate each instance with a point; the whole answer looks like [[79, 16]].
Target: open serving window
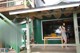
[[49, 27]]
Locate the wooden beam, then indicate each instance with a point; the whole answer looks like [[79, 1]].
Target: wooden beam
[[4, 9]]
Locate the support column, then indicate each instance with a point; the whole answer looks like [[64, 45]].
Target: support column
[[28, 36], [76, 32], [25, 3]]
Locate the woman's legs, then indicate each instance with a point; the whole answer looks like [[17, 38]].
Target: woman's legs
[[65, 40]]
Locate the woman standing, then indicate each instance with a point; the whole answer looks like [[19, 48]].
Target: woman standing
[[63, 33]]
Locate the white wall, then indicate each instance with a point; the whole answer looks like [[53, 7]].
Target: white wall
[[39, 3]]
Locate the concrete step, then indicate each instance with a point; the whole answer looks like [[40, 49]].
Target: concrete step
[[53, 49], [53, 52]]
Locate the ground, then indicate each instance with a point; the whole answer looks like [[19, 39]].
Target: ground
[[50, 49]]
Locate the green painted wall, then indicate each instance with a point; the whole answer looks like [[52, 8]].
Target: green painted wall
[[37, 31], [23, 25]]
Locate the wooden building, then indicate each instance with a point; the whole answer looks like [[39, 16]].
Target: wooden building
[[47, 17]]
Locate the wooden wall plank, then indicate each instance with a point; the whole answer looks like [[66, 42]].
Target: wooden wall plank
[[4, 9]]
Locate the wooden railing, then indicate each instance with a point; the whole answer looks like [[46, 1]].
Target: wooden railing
[[8, 5]]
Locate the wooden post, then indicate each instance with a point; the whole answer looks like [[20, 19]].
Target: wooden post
[[28, 36], [32, 2], [76, 32], [25, 3]]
